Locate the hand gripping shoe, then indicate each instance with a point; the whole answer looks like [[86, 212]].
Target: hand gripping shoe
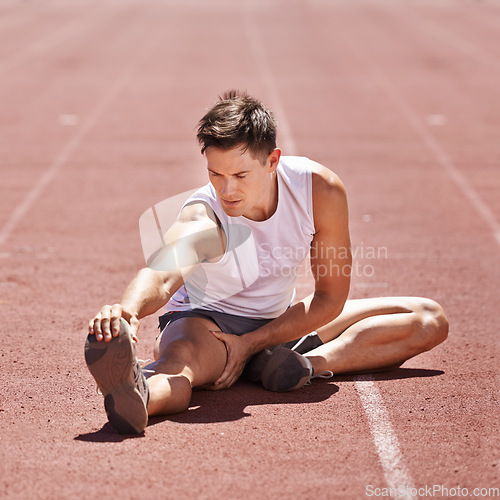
[[286, 370], [118, 374]]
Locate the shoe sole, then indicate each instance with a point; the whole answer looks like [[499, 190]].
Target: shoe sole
[[112, 366], [286, 370]]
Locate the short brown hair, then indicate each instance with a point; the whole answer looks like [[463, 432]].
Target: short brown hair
[[238, 120]]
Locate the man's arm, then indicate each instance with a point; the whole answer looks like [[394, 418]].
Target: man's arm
[[330, 264], [146, 293], [331, 268], [193, 238]]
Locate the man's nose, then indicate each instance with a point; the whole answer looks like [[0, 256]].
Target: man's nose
[[228, 186]]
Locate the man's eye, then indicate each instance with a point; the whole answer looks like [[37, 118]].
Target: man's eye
[[241, 176]]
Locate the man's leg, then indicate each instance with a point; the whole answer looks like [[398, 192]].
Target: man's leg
[[369, 335], [187, 355], [377, 334]]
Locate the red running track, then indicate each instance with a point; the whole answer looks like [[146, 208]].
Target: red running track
[[98, 106]]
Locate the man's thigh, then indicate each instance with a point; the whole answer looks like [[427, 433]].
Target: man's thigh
[[187, 346], [358, 309]]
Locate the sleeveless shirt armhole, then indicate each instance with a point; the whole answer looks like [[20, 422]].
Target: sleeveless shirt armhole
[[310, 209]]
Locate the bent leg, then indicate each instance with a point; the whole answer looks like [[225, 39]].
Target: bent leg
[[187, 355], [377, 334]]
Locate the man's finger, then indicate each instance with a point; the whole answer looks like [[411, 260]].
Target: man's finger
[[115, 316], [96, 327], [220, 387], [224, 375], [218, 334], [103, 321], [134, 324], [228, 377], [225, 381]]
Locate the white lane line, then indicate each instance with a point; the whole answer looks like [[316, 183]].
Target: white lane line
[[431, 144], [439, 153], [456, 42], [396, 472], [262, 62], [61, 160], [48, 42]]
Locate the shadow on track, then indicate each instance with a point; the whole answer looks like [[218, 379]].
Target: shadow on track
[[223, 406], [227, 406], [106, 435], [398, 374]]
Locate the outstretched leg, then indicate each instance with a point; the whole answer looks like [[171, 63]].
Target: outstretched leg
[[187, 355], [379, 334]]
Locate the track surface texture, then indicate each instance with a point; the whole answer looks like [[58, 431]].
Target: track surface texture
[[99, 101]]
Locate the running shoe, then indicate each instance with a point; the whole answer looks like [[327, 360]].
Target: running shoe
[[257, 363], [119, 377], [287, 370]]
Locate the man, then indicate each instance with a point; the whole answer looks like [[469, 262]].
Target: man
[[226, 273]]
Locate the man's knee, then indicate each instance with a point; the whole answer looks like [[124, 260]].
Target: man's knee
[[431, 323]]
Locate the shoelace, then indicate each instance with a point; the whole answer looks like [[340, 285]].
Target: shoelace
[[143, 363], [323, 374], [141, 381]]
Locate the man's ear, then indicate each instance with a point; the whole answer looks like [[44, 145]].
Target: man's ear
[[273, 159]]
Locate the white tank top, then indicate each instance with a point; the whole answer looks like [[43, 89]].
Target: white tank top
[[256, 276]]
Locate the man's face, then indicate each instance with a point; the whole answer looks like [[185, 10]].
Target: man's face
[[245, 186]]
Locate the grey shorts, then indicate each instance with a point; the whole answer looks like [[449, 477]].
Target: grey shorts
[[239, 325]]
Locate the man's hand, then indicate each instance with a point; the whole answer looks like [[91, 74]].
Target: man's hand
[[106, 324], [238, 351]]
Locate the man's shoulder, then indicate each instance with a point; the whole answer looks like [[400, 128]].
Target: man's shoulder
[[198, 228], [323, 178], [326, 184], [297, 165], [198, 212], [331, 213], [195, 210]]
